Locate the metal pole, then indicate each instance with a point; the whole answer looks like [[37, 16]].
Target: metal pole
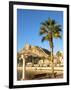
[[23, 67]]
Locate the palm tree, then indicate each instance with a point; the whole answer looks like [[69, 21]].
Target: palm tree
[[50, 29], [59, 54]]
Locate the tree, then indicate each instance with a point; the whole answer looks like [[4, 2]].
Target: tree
[[50, 29], [59, 54]]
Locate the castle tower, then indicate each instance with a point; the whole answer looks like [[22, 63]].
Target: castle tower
[[27, 47]]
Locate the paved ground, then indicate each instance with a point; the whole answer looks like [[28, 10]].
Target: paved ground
[[42, 72]]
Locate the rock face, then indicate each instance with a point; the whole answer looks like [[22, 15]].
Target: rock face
[[33, 53], [34, 50]]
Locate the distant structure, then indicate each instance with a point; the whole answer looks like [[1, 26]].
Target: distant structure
[[33, 54]]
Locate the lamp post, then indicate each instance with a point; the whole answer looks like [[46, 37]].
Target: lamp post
[[23, 67]]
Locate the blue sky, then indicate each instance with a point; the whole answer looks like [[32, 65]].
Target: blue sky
[[28, 26]]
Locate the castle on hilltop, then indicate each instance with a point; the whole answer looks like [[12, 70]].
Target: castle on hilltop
[[34, 55]]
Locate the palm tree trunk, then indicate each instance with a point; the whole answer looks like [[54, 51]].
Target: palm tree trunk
[[52, 62], [52, 58]]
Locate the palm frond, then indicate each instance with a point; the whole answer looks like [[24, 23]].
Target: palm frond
[[53, 22], [58, 27], [43, 30], [43, 23], [57, 35], [45, 38], [60, 36]]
